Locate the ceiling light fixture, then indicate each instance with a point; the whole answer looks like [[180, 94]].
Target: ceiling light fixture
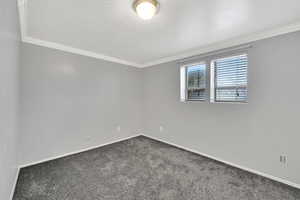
[[146, 9]]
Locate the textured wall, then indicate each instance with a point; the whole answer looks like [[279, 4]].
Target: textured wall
[[9, 57], [70, 102], [251, 135]]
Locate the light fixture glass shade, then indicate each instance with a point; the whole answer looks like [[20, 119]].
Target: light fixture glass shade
[[146, 9]]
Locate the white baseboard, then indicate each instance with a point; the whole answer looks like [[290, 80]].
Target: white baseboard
[[274, 178], [76, 152], [295, 185], [14, 184]]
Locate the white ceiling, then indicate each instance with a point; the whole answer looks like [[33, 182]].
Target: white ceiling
[[110, 29]]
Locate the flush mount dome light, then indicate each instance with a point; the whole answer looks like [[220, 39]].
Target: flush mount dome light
[[146, 9]]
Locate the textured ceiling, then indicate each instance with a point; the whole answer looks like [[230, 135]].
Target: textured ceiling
[[183, 27]]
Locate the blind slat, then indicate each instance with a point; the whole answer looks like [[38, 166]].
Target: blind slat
[[231, 79]]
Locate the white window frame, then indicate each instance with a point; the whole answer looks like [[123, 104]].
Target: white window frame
[[210, 70], [184, 82], [213, 79]]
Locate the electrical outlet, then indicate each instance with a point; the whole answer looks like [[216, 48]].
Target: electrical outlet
[[119, 128], [282, 159], [21, 2], [2, 93], [161, 128]]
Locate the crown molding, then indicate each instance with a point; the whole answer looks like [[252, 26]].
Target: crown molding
[[229, 43], [73, 50], [22, 7]]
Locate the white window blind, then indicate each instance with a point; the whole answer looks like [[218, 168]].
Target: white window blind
[[230, 79]]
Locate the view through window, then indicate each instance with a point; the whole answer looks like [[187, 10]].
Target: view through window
[[225, 82], [196, 82]]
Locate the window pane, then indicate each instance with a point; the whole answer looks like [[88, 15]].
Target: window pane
[[231, 78], [196, 82]]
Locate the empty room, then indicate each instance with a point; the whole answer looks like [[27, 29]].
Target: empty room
[[149, 100]]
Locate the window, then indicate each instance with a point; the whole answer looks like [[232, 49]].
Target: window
[[194, 76], [230, 79], [196, 82]]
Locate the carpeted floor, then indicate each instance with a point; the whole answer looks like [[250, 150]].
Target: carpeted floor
[[144, 169]]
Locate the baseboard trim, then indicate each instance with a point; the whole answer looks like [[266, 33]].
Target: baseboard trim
[[76, 152], [14, 184], [274, 178]]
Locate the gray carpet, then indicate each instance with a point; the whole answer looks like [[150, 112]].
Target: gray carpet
[[144, 169]]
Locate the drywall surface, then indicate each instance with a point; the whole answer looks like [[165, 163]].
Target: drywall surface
[[9, 56], [71, 102], [252, 135]]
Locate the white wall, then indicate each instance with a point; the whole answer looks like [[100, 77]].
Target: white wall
[[252, 135], [71, 102], [9, 56]]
